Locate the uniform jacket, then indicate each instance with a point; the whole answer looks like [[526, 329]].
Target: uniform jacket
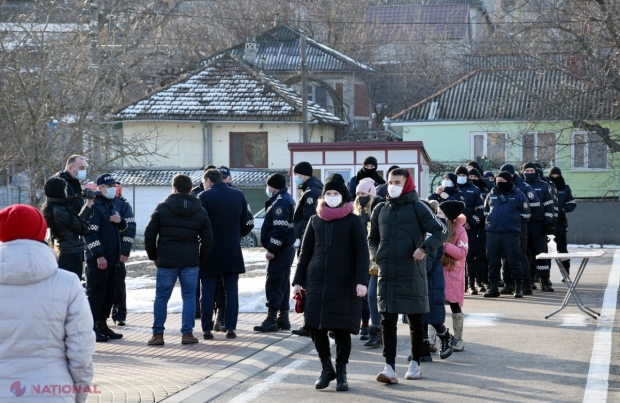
[[197, 190], [58, 350], [74, 190], [566, 202], [178, 233], [453, 194], [68, 229], [333, 260], [504, 213], [127, 236], [277, 230], [436, 289], [104, 238], [382, 190], [306, 205], [455, 280], [354, 181], [397, 228], [545, 196], [474, 204], [531, 195], [231, 219]]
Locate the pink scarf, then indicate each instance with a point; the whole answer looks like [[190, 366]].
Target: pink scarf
[[330, 214]]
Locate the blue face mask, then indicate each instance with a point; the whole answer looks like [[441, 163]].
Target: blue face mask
[[461, 180], [269, 192], [81, 175], [110, 193], [298, 181]]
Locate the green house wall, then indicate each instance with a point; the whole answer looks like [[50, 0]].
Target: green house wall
[[451, 142]]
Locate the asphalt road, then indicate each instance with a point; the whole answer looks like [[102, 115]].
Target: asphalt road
[[512, 354]]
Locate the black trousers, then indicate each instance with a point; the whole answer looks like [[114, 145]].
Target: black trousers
[[560, 239], [525, 263], [504, 244], [100, 289], [476, 261], [537, 243], [119, 309], [389, 324], [73, 262], [321, 343], [277, 285]]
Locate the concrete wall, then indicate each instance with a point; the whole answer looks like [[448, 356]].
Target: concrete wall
[[594, 222]]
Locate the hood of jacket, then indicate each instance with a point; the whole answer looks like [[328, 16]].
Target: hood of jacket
[[24, 262], [183, 205]]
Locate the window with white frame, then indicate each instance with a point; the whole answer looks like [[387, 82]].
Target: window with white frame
[[588, 151], [539, 147], [491, 144]]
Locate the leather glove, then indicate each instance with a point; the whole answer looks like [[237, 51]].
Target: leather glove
[[548, 229]]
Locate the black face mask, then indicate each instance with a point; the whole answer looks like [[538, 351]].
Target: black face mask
[[530, 177], [363, 200], [504, 187], [370, 172], [559, 182], [478, 183]]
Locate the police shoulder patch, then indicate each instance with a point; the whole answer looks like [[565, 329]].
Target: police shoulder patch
[[309, 200], [524, 205], [278, 211], [530, 195]]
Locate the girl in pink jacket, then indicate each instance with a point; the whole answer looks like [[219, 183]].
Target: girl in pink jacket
[[453, 262]]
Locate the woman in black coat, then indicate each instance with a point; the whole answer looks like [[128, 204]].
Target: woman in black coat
[[67, 228], [333, 269]]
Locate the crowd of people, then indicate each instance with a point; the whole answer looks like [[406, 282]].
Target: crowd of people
[[369, 252]]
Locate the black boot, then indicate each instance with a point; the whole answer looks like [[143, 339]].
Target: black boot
[[341, 377], [375, 337], [328, 374], [493, 291], [270, 324], [364, 333], [472, 286], [219, 325], [508, 288], [283, 321], [518, 289], [480, 286], [425, 355], [545, 284], [103, 328], [527, 287], [446, 345], [99, 338], [301, 332]]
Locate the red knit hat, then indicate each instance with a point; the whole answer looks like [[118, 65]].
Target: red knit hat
[[20, 221]]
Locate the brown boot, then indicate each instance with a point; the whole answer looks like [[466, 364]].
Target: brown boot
[[156, 340], [188, 338]]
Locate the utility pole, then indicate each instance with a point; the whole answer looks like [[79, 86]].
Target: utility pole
[[96, 102], [304, 87]]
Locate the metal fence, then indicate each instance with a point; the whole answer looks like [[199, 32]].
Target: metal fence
[[13, 195]]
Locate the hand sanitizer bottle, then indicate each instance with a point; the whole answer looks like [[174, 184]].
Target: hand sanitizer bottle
[[552, 247]]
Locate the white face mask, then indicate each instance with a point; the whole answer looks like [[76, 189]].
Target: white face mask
[[461, 180], [269, 192], [447, 183], [394, 190], [81, 175], [110, 193], [333, 201]]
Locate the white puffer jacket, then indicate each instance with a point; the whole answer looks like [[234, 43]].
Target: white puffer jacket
[[46, 328]]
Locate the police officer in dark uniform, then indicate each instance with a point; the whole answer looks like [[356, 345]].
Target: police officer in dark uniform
[[119, 309], [278, 237], [103, 256], [448, 190], [505, 208], [566, 204], [535, 209], [479, 263], [311, 190], [539, 227], [474, 212]]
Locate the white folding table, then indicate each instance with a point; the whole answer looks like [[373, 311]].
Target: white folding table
[[572, 284]]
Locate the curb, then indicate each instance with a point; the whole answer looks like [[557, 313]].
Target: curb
[[227, 378]]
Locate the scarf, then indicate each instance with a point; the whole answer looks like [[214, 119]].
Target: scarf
[[330, 214]]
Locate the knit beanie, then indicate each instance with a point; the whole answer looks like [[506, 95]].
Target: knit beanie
[[461, 170], [505, 175], [335, 176], [277, 181], [452, 177], [475, 165], [452, 209], [367, 185], [335, 183], [303, 168], [474, 171], [488, 174], [555, 171], [20, 221], [370, 161], [528, 165], [508, 168]]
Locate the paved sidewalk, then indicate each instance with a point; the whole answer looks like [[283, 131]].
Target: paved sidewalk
[[128, 370]]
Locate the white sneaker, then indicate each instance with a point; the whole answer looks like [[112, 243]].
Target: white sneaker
[[414, 371], [387, 375], [457, 344]]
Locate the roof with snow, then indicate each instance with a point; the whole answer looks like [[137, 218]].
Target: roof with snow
[[227, 89], [255, 178], [278, 50], [516, 94]]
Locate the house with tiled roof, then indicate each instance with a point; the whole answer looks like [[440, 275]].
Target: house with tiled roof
[[513, 116]]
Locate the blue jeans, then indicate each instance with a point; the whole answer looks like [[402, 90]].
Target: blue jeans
[[166, 279], [375, 316], [207, 302]]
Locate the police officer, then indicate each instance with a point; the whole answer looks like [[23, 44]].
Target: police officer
[[505, 208], [554, 193], [119, 309], [311, 190], [278, 237], [103, 256], [535, 209], [448, 190], [539, 226], [478, 262], [474, 212], [566, 204]]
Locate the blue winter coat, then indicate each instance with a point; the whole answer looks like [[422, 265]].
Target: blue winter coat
[[506, 212], [436, 289], [277, 230]]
